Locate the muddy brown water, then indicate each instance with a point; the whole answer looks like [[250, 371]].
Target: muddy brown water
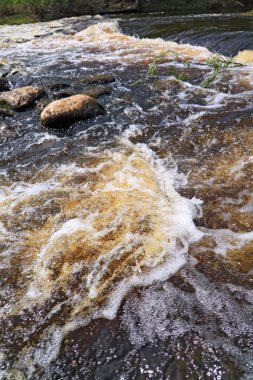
[[126, 240]]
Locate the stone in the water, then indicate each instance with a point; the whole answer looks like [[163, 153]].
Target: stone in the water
[[57, 86], [96, 92], [4, 85], [65, 111], [66, 93], [99, 79], [20, 98], [170, 83]]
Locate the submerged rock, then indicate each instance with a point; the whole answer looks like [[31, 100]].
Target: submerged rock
[[99, 79], [170, 83], [65, 111], [57, 86], [20, 97], [96, 92], [4, 85]]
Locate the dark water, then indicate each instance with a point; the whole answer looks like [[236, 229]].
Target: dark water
[[104, 275], [224, 34]]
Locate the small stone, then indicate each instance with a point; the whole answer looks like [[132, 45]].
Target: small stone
[[65, 111], [99, 79], [4, 85], [96, 92], [20, 97]]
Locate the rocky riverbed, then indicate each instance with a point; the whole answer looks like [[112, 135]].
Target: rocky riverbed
[[126, 205]]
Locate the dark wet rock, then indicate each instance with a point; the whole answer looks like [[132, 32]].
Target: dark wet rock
[[42, 103], [66, 111], [96, 92], [5, 113], [57, 86], [171, 84], [62, 94], [5, 70], [99, 79], [19, 98], [4, 85], [18, 79], [58, 90]]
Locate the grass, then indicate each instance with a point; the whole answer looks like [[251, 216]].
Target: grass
[[218, 63], [247, 13], [17, 19]]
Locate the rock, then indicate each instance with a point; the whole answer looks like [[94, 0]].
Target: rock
[[245, 56], [4, 113], [42, 103], [62, 94], [20, 97], [4, 85], [99, 79], [171, 84], [57, 86], [96, 92], [66, 111], [58, 91]]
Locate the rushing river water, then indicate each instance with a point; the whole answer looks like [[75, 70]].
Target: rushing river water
[[127, 240]]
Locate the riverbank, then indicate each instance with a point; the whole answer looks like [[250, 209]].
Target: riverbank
[[30, 11]]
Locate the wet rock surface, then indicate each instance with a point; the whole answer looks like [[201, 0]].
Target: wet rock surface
[[4, 85], [99, 79], [98, 91], [66, 111], [20, 98]]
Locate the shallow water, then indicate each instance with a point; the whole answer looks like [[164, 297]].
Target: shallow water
[[126, 240]]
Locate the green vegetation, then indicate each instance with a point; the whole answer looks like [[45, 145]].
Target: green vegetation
[[17, 19], [249, 13], [218, 64], [152, 69], [20, 11], [49, 9]]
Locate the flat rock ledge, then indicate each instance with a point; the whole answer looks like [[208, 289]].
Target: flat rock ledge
[[64, 112], [20, 97]]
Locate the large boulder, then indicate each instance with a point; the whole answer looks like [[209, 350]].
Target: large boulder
[[65, 111], [20, 98]]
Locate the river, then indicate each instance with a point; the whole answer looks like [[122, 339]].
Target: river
[[126, 240]]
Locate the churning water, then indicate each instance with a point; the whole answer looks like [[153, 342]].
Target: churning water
[[126, 241]]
